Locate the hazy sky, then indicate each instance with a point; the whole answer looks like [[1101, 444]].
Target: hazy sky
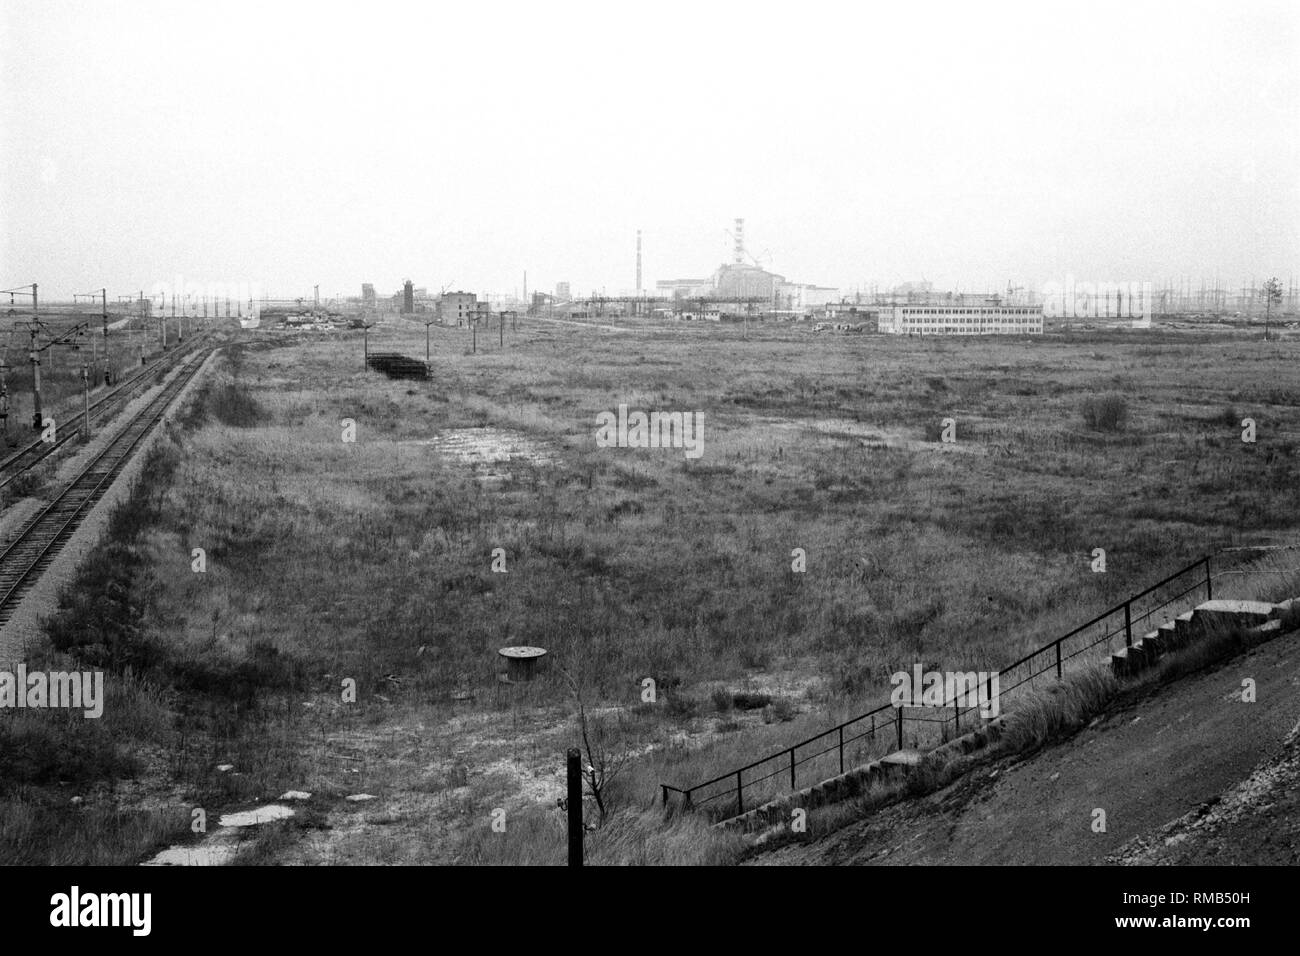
[[290, 144]]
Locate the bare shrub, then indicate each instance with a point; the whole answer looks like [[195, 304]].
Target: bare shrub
[[1105, 413]]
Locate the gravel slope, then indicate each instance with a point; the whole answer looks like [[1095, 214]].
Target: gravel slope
[[1146, 764]]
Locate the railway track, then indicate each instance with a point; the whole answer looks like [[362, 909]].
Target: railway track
[[32, 454], [25, 559]]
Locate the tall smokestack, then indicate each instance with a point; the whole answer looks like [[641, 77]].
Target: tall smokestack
[[740, 242], [638, 261]]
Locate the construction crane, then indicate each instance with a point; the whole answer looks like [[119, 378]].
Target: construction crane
[[738, 237]]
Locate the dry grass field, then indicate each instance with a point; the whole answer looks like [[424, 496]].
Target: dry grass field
[[331, 561]]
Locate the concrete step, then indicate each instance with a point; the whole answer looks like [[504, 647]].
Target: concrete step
[[1155, 642], [1184, 624], [1285, 607], [1128, 661], [1222, 616], [901, 762], [1169, 636]]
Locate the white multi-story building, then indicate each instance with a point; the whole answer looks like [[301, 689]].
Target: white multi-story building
[[962, 320], [457, 308]]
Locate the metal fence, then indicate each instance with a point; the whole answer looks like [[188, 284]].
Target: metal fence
[[887, 728]]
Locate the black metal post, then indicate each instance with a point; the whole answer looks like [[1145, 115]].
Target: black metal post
[[740, 796], [791, 768], [36, 385], [575, 806], [1128, 626], [1058, 659], [900, 728], [85, 391], [841, 748], [1209, 581]]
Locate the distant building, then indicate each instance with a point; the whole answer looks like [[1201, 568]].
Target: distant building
[[457, 308], [683, 288], [801, 297], [962, 320], [562, 291], [368, 295], [746, 282], [408, 297]]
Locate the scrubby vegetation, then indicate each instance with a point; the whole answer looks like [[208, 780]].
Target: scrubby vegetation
[[372, 560], [1105, 413]]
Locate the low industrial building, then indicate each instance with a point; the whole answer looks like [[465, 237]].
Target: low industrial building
[[962, 320]]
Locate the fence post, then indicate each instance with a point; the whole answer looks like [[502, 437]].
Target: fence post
[[841, 748], [664, 786], [1058, 659], [575, 806], [1209, 581], [740, 796], [791, 768], [900, 728], [956, 717], [1128, 626]]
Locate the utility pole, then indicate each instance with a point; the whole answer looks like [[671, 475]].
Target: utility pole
[[36, 384], [4, 401], [85, 391], [573, 805]]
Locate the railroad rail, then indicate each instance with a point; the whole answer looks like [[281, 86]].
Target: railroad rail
[[36, 451], [25, 558]]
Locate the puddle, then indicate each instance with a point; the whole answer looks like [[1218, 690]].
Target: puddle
[[220, 846], [870, 436], [484, 448], [254, 818], [867, 434], [487, 446], [205, 854]]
